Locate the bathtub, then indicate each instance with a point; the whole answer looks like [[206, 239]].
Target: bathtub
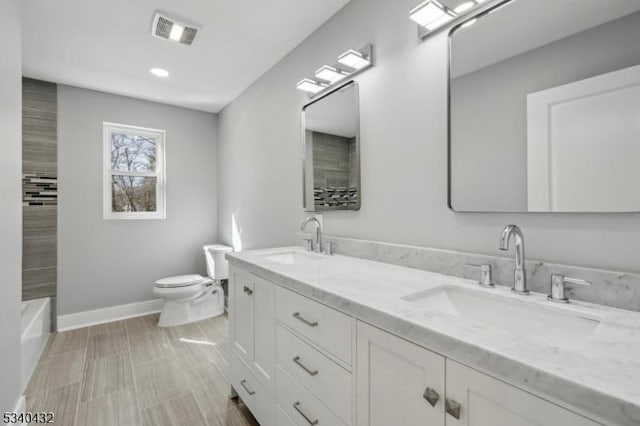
[[36, 328]]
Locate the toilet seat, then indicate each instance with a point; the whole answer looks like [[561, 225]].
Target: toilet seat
[[180, 281]]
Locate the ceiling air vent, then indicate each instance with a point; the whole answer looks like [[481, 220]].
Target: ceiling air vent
[[171, 29]]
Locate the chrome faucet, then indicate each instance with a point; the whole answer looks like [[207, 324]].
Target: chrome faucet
[[520, 275], [318, 246]]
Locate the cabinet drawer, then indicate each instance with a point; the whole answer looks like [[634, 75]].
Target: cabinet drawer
[[252, 393], [301, 406], [282, 418], [324, 378], [322, 325]]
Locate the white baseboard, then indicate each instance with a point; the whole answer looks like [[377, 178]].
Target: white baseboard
[[113, 313]]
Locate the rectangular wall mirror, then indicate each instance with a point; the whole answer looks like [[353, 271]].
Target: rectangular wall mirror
[[331, 134], [544, 108]]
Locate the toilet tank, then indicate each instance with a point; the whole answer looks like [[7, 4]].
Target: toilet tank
[[217, 265]]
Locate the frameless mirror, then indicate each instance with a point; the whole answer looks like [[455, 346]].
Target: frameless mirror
[[544, 108], [331, 160]]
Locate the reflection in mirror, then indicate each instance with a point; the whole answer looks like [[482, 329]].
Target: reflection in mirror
[[332, 151], [545, 108]]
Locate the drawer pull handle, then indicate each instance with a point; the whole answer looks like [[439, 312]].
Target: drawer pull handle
[[248, 290], [452, 408], [296, 406], [244, 385], [299, 317], [431, 396], [304, 367]]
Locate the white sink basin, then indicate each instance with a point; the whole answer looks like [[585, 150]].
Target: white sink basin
[[292, 257], [508, 314]]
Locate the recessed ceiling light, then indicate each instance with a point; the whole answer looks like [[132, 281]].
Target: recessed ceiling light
[[464, 7], [176, 32], [354, 59], [330, 74], [159, 72], [310, 86]]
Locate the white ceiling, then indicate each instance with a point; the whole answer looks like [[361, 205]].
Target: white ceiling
[[107, 45]]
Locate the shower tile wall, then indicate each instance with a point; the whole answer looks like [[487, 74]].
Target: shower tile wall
[[332, 160], [335, 171], [39, 189]]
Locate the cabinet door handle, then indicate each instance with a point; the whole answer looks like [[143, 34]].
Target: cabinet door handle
[[431, 396], [248, 290], [299, 317], [296, 406], [244, 385], [304, 367], [452, 408]]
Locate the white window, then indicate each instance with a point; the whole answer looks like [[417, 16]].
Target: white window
[[134, 172]]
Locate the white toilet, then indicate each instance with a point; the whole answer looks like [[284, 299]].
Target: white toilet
[[191, 298]]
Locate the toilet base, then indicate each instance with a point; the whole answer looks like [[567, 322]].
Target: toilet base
[[205, 306]]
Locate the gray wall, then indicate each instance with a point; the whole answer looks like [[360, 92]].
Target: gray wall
[[489, 126], [403, 155], [10, 194], [107, 263], [39, 209]]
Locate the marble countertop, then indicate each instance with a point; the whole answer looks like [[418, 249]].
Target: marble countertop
[[599, 374]]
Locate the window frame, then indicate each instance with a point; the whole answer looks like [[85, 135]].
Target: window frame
[[108, 129]]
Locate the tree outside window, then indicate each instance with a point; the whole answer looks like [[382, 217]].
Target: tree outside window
[[134, 172]]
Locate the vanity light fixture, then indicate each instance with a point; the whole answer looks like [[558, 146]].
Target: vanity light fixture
[[433, 15], [349, 64], [330, 74], [310, 86], [427, 13], [464, 7], [354, 59], [440, 22]]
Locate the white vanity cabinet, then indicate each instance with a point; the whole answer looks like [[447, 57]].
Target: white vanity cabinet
[[314, 357], [252, 323], [399, 380], [252, 337], [241, 321], [485, 401], [396, 380], [295, 361]]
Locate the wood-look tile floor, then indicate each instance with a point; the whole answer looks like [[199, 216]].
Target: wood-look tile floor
[[131, 372]]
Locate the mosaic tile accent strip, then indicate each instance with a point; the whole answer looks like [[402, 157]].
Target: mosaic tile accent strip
[[39, 189], [335, 196]]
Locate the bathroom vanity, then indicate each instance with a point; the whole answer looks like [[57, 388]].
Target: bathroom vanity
[[337, 340]]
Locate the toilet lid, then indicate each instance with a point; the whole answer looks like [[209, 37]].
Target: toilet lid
[[179, 281]]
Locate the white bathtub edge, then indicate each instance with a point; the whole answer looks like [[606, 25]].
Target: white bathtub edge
[[21, 406], [36, 329], [33, 311], [104, 315]]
